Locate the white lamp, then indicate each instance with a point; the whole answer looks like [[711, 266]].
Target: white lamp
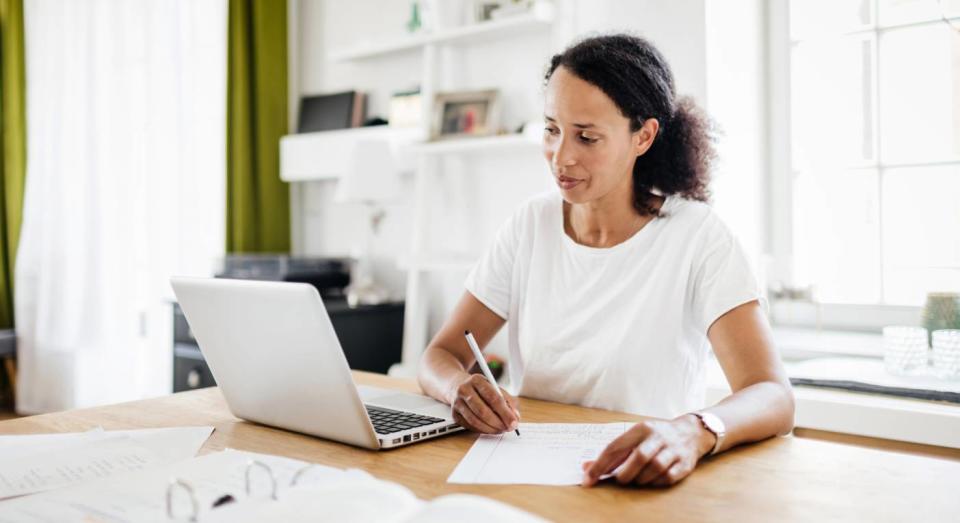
[[371, 179]]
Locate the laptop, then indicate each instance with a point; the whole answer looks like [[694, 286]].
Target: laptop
[[273, 351]]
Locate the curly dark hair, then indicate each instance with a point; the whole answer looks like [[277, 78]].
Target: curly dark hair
[[633, 73]]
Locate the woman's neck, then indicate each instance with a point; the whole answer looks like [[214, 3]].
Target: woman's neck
[[605, 222]]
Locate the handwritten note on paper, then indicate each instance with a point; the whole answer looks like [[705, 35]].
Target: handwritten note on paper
[[16, 446], [74, 464], [38, 462], [544, 454], [141, 495]]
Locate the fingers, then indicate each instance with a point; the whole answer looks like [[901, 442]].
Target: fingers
[[640, 458], [657, 465], [651, 453], [512, 402], [478, 400], [673, 475], [615, 453], [465, 416], [478, 405], [489, 406], [496, 405]]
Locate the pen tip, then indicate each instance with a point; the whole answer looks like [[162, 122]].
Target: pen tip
[[517, 431]]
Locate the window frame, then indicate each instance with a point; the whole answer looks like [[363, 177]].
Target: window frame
[[779, 238]]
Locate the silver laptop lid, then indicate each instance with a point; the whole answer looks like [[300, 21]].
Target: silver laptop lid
[[273, 351]]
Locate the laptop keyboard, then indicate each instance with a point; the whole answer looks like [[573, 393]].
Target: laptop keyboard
[[386, 421]]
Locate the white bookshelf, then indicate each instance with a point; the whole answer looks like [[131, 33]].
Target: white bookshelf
[[324, 156], [469, 34], [517, 142]]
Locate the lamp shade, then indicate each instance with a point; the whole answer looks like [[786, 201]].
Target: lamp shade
[[371, 176]]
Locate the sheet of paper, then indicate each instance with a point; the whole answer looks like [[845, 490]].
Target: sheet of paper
[[172, 443], [466, 508], [20, 446], [369, 500], [40, 462], [343, 500], [321, 494], [141, 495], [544, 454], [74, 464]]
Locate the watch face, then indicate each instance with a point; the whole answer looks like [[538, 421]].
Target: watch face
[[713, 423]]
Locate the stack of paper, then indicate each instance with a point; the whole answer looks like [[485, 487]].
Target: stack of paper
[[320, 494], [37, 463]]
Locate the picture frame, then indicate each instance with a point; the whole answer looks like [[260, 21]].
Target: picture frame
[[404, 109], [465, 114]]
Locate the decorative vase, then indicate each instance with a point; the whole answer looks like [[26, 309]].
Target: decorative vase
[[942, 311]]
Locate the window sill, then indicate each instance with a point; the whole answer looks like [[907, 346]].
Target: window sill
[[797, 344], [862, 414], [835, 317], [913, 421], [854, 361]]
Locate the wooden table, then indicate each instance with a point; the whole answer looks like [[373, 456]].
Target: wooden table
[[783, 479]]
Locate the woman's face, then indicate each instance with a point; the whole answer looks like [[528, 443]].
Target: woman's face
[[587, 141]]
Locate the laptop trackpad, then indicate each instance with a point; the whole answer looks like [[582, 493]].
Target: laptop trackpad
[[392, 399]]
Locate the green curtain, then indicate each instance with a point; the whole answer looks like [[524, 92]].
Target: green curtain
[[13, 135], [258, 203]]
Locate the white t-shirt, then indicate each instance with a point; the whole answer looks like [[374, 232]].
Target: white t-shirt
[[621, 328]]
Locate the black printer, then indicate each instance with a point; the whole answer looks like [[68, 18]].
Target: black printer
[[329, 275]]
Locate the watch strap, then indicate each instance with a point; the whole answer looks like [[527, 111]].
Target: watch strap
[[714, 425]]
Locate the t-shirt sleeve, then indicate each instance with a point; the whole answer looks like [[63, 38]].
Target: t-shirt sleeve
[[723, 277], [490, 278]]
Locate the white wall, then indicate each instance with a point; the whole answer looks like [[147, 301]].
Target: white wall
[[469, 206], [736, 100], [676, 27]]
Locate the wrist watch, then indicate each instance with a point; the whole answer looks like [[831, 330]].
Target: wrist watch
[[715, 425]]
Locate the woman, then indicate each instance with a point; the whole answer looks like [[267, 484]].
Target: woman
[[615, 289]]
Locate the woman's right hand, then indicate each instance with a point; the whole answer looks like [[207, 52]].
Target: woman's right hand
[[477, 406]]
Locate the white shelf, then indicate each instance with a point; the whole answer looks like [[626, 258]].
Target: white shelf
[[477, 144], [520, 24], [326, 155]]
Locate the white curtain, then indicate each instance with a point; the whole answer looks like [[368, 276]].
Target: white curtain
[[125, 187]]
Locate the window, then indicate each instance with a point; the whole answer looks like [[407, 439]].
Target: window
[[871, 168], [126, 106]]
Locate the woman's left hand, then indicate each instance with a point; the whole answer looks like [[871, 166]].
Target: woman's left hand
[[656, 453]]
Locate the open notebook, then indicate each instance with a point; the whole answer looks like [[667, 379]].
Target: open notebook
[[369, 500], [239, 486]]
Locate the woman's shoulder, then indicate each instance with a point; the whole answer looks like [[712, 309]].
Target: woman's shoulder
[[678, 208], [695, 218], [542, 202], [537, 208], [529, 218]]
